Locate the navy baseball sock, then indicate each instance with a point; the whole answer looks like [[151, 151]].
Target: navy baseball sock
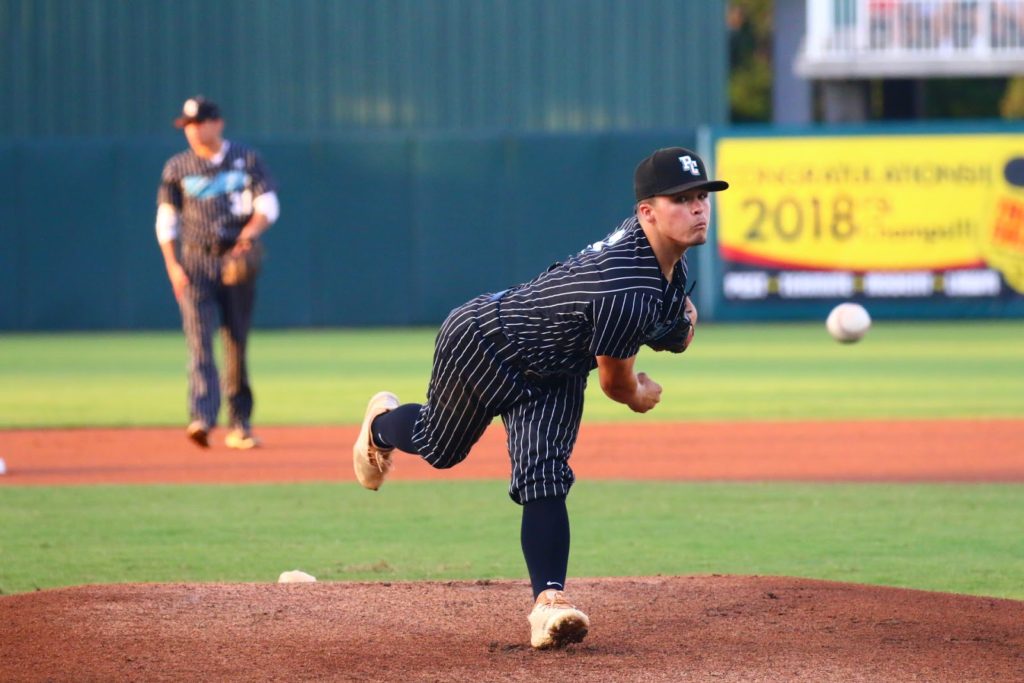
[[393, 429], [545, 539]]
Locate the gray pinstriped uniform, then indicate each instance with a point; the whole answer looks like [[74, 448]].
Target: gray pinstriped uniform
[[525, 354], [214, 203]]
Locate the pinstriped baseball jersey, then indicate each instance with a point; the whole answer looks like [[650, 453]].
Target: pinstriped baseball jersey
[[214, 200], [607, 300], [525, 354]]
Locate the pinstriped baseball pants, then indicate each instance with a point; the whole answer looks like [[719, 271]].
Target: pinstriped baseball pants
[[476, 376], [206, 306]]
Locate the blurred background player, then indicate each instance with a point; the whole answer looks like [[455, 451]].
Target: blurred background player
[[525, 353], [215, 197]]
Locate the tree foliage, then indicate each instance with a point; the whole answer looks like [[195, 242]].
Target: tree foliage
[[1012, 104], [750, 58], [750, 24]]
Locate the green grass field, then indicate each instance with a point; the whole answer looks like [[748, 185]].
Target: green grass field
[[901, 370], [959, 538], [951, 538]]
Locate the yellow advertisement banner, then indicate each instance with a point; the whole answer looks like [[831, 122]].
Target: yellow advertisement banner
[[874, 203]]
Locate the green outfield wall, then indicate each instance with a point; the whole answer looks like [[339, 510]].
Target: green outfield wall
[[385, 229], [124, 67], [397, 229]]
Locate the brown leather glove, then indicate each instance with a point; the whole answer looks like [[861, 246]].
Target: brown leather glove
[[240, 266]]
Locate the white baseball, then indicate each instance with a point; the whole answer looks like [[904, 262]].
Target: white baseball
[[296, 576], [3, 466], [848, 322]]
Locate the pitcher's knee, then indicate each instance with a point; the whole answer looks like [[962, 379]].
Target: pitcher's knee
[[443, 460], [448, 462], [536, 483]]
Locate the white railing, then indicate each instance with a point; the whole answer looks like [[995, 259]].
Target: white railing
[[918, 36]]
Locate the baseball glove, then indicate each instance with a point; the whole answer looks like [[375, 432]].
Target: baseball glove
[[674, 339], [241, 268]]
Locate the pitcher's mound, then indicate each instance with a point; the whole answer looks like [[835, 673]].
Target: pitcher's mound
[[720, 628]]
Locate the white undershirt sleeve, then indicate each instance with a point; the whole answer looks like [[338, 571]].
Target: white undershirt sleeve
[[166, 223], [267, 205]]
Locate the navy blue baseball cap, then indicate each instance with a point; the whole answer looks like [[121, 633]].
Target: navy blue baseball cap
[[670, 171], [196, 110]]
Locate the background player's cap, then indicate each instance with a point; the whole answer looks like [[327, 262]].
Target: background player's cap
[[671, 170], [195, 110]]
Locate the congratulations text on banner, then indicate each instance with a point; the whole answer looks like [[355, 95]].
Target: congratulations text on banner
[[908, 215]]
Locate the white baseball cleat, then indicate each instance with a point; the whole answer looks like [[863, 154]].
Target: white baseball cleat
[[555, 622], [372, 463], [242, 439]]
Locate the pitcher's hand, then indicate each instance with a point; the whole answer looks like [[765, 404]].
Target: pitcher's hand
[[648, 394]]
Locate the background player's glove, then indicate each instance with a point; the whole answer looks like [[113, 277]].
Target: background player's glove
[[241, 266], [676, 338]]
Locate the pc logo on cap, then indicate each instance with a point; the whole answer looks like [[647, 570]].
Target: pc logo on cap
[[670, 171], [196, 110]]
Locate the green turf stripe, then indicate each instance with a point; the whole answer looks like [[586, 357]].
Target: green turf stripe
[[953, 369], [958, 538]]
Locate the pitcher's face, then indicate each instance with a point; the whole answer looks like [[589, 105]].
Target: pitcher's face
[[683, 218]]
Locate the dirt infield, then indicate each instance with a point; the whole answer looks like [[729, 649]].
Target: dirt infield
[[643, 629], [657, 629], [921, 450]]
